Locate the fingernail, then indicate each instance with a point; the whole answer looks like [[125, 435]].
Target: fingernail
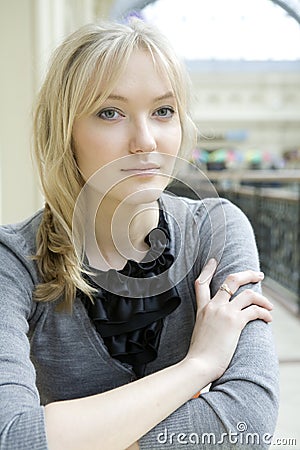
[[261, 275], [212, 262]]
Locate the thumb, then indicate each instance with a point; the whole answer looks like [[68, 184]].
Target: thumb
[[202, 283]]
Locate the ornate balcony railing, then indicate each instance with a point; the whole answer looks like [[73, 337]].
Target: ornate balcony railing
[[271, 201]]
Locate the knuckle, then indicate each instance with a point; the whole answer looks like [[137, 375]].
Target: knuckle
[[253, 273], [256, 310], [210, 307], [248, 293], [227, 314], [231, 319], [244, 321], [232, 278]]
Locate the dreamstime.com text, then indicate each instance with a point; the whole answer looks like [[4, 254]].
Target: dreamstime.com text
[[241, 436]]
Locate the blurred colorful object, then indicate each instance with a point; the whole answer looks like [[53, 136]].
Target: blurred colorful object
[[218, 156], [253, 156], [233, 157]]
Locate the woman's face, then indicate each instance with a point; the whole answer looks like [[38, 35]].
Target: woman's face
[[132, 141]]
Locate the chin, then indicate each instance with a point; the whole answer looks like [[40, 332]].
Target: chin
[[142, 196], [134, 193], [133, 190]]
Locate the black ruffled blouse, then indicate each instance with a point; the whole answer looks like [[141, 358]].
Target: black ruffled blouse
[[129, 326]]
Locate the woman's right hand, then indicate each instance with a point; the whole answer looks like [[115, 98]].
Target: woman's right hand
[[219, 322]]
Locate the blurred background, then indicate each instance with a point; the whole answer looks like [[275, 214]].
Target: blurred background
[[243, 57]]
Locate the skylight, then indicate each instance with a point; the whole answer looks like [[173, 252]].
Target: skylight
[[251, 30]]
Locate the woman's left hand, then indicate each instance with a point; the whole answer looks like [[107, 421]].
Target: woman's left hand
[[219, 321]]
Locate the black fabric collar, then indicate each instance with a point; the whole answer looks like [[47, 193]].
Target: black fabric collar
[[131, 327]]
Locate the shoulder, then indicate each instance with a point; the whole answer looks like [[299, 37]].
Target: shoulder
[[208, 227], [24, 231], [18, 241], [170, 200], [215, 208]]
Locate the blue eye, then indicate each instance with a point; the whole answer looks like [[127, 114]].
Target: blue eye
[[109, 114], [165, 113]]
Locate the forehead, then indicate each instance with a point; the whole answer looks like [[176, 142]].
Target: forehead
[[145, 73]]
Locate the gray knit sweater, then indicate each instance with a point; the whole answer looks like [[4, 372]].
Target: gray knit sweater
[[47, 356]]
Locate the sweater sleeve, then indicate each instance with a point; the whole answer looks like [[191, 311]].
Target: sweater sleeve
[[21, 415], [240, 410]]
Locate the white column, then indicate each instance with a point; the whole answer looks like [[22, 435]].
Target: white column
[[19, 194], [29, 31]]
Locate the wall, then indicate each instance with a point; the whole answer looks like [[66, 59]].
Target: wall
[[29, 30], [260, 98], [18, 192]]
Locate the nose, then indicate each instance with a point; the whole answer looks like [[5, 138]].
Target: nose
[[142, 138]]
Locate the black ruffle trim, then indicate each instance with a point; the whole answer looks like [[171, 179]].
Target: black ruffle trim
[[131, 327]]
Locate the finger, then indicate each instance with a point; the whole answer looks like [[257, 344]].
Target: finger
[[235, 280], [254, 312], [248, 297], [202, 283], [207, 272]]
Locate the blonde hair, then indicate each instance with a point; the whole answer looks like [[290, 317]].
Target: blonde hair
[[94, 52]]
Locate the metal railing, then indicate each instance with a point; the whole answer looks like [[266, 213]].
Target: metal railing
[[271, 201]]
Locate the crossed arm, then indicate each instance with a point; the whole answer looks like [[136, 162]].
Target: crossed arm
[[139, 406], [225, 349]]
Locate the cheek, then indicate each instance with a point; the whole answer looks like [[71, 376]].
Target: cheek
[[92, 150], [172, 139], [87, 142]]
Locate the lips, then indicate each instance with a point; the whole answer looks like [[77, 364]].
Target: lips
[[142, 168]]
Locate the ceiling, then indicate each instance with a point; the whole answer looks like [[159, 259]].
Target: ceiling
[[292, 7], [121, 7]]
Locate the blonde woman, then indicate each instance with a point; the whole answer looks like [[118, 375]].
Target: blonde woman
[[114, 298]]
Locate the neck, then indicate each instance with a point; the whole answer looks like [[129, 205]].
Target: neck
[[120, 230]]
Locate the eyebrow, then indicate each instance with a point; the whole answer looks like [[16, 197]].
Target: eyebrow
[[167, 95]]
